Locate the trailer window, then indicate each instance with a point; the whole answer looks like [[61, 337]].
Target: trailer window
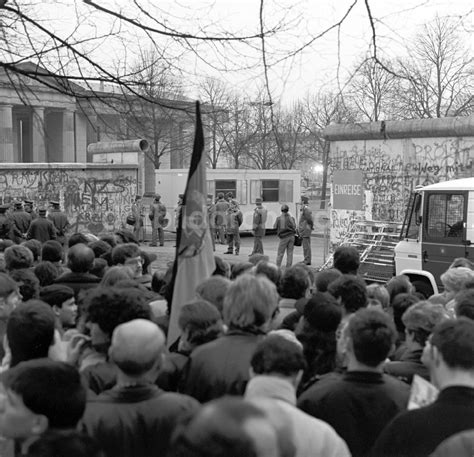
[[445, 216], [270, 190], [226, 185]]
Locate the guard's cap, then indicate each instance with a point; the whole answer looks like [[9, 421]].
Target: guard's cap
[[28, 202], [18, 204], [54, 203], [258, 200], [4, 208], [42, 210]]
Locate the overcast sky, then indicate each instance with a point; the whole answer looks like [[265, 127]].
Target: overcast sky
[[318, 65]]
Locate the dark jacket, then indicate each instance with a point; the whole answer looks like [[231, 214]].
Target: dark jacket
[[78, 281], [135, 421], [221, 212], [60, 221], [6, 227], [408, 365], [358, 406], [305, 223], [285, 225], [21, 221], [221, 366], [418, 432], [41, 229], [259, 220]]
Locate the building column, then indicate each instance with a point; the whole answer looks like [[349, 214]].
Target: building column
[[39, 135], [69, 147], [6, 133]]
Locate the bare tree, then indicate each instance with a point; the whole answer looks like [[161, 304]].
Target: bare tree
[[438, 75], [372, 90], [293, 141], [217, 99], [147, 117]]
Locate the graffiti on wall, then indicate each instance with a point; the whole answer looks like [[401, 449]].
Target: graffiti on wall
[[95, 200], [393, 168]]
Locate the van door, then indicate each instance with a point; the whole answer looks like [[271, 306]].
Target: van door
[[444, 230]]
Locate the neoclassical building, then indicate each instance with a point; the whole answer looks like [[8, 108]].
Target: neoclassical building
[[40, 123]]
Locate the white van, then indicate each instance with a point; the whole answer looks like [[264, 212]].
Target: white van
[[438, 227]]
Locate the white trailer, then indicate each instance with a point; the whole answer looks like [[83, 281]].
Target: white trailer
[[275, 187]]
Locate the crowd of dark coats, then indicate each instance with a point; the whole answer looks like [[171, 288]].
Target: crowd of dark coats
[[270, 362]]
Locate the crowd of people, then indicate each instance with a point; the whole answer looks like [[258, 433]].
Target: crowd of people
[[270, 362]]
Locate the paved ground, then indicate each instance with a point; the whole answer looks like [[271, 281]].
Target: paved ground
[[166, 253]]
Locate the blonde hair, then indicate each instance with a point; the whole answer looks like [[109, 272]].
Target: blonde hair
[[249, 302], [456, 279]]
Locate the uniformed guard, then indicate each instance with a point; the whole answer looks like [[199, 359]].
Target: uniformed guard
[[29, 209], [59, 220], [21, 221], [6, 224]]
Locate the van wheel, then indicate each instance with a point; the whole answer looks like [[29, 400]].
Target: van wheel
[[423, 287]]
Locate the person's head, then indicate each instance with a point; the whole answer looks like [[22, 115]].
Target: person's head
[[46, 272], [399, 285], [351, 292], [304, 200], [100, 248], [400, 304], [28, 283], [449, 352], [10, 296], [109, 307], [250, 302], [316, 330], [346, 259], [269, 270], [258, 201], [222, 267], [137, 348], [109, 238], [115, 274], [228, 426], [229, 195], [77, 238], [99, 267], [464, 306], [326, 277], [34, 246], [61, 443], [240, 268], [455, 279], [40, 395], [128, 255], [157, 197], [199, 322], [294, 283], [285, 209], [379, 293], [370, 336], [30, 331], [220, 195], [420, 320], [18, 257], [80, 258], [277, 356], [257, 258], [213, 290], [62, 301], [52, 251]]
